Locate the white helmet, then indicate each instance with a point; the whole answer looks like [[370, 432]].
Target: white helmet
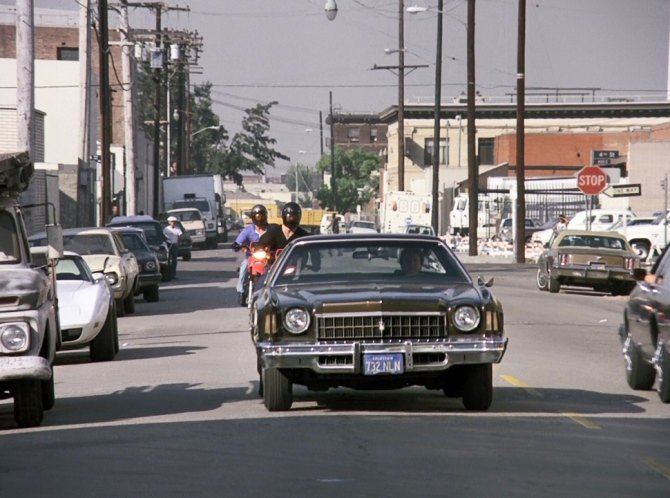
[[171, 219]]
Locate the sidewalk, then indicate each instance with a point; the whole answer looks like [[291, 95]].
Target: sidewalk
[[489, 250]]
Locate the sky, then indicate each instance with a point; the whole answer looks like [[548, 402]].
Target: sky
[[258, 51]]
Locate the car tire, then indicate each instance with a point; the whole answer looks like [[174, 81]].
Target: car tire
[[478, 387], [554, 285], [640, 375], [103, 347], [152, 294], [187, 256], [277, 390], [129, 304], [642, 248], [48, 393], [120, 310], [453, 385], [663, 372], [28, 407], [542, 280], [165, 275]]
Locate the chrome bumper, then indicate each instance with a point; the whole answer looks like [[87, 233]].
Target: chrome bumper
[[308, 356], [583, 273], [24, 367]]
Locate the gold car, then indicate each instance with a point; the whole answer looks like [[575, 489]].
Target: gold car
[[603, 261]]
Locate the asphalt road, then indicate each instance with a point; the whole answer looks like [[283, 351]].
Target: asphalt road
[[177, 414]]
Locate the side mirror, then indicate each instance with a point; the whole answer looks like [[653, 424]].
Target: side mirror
[[481, 282]]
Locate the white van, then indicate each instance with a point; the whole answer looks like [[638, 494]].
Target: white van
[[601, 219]]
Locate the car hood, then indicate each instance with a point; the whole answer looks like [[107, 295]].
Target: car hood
[[23, 288], [80, 301], [371, 297], [97, 261]]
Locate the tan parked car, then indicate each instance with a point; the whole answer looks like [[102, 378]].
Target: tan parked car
[[194, 223], [104, 251], [603, 261]]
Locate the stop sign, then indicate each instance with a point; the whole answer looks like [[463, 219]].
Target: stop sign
[[592, 180]]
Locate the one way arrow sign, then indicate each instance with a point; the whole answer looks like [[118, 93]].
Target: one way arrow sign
[[630, 190]]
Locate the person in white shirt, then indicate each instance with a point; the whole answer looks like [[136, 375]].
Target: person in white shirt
[[173, 235]]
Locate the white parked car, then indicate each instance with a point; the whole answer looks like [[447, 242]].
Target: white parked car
[[86, 309], [600, 219], [362, 226], [104, 251], [194, 223]]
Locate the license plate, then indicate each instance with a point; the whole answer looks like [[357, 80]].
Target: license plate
[[378, 364], [598, 266]]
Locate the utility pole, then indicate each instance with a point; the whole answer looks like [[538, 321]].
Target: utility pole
[[128, 110], [25, 77], [435, 214], [105, 112], [519, 235], [333, 184], [473, 170], [157, 117], [321, 140], [84, 196], [401, 95]]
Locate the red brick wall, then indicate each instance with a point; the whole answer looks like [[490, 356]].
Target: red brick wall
[[565, 149]]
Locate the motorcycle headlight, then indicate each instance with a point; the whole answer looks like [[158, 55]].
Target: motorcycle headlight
[[296, 320], [14, 337], [466, 318], [260, 254], [112, 278], [150, 265]]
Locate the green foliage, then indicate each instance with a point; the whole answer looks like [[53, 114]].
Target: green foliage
[[251, 149], [357, 179]]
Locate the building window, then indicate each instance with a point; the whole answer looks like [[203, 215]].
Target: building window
[[486, 149], [354, 134], [428, 151], [67, 54], [373, 135]]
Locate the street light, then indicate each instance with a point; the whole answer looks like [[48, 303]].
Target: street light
[[434, 217], [331, 10], [213, 127]]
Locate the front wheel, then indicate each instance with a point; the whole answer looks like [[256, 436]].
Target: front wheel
[[28, 406], [186, 256], [48, 393], [478, 387], [151, 295], [542, 280], [129, 304], [554, 285], [277, 390], [640, 375], [103, 348], [663, 372]]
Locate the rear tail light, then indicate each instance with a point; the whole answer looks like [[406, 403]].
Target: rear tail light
[[564, 259]]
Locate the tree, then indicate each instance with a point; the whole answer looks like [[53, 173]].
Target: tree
[[357, 178], [251, 149], [309, 182]]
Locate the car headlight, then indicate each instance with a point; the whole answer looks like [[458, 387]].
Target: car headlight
[[14, 337], [466, 318], [296, 320], [112, 278], [150, 265]]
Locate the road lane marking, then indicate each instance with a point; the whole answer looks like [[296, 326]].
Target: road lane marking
[[518, 383], [582, 420], [662, 469]]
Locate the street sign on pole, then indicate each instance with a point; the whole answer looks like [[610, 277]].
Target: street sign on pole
[[604, 157], [592, 180], [630, 190]]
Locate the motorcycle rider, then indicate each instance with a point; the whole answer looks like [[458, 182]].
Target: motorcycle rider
[[278, 236], [251, 234]]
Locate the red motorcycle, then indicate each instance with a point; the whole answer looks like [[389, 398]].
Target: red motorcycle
[[257, 266]]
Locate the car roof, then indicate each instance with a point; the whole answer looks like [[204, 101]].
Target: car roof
[[128, 229], [140, 218], [591, 233], [181, 210]]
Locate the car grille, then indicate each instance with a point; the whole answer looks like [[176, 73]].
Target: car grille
[[382, 326]]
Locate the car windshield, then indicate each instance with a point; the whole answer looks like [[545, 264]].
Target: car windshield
[[592, 241], [186, 215], [71, 268], [386, 262], [9, 244], [363, 224], [201, 205], [134, 242], [89, 243], [152, 230]]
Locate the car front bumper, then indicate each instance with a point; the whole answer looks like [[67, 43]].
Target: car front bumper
[[149, 279], [24, 367], [326, 358]]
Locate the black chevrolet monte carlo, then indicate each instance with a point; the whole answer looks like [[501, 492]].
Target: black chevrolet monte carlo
[[375, 311]]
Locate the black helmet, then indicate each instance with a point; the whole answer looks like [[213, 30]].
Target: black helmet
[[291, 214], [259, 215]]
